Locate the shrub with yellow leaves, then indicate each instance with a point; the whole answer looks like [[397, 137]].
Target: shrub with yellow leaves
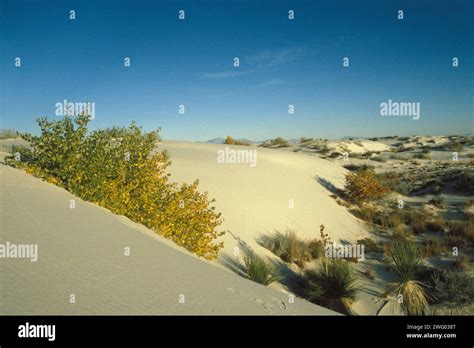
[[120, 169], [363, 185]]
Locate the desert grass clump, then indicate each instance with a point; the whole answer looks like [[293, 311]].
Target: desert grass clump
[[433, 247], [288, 247], [370, 245], [417, 219], [460, 233], [365, 212], [120, 169], [276, 143], [316, 249], [259, 270], [6, 133], [332, 284], [461, 263], [389, 219], [363, 186], [371, 215], [401, 232], [406, 263]]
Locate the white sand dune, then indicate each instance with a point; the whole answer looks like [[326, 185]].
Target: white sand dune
[[255, 200], [81, 252], [360, 146]]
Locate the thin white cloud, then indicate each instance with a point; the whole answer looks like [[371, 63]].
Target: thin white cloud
[[272, 58], [271, 83], [224, 74], [261, 60]]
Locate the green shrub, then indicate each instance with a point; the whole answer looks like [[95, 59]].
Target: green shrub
[[25, 154], [259, 270], [453, 288], [333, 285], [441, 310], [119, 169]]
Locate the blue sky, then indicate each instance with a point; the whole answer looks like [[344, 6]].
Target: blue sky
[[282, 62]]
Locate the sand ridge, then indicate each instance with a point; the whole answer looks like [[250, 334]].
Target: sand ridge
[[81, 253]]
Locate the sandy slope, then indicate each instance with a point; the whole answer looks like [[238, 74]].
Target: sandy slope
[[81, 252], [255, 200]]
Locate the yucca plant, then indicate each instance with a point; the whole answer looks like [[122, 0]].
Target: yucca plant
[[407, 264], [333, 285], [260, 270]]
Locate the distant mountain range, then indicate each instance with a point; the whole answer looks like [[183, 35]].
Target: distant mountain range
[[222, 141], [216, 141]]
